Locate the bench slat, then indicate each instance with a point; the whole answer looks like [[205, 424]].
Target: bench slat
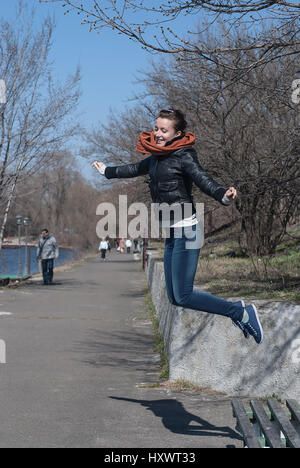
[[294, 408], [271, 434], [244, 424], [292, 438]]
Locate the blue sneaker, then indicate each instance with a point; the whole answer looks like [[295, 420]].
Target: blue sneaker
[[253, 325], [240, 324]]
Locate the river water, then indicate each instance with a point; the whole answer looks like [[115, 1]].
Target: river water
[[9, 260]]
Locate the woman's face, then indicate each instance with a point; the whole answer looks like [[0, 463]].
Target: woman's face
[[165, 131]]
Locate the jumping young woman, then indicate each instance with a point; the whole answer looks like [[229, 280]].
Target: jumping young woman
[[173, 167]]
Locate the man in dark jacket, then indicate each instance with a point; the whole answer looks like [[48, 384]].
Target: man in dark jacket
[[47, 252]]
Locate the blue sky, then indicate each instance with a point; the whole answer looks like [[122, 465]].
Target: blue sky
[[109, 62]]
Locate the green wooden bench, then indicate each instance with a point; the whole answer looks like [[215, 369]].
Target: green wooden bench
[[274, 427]]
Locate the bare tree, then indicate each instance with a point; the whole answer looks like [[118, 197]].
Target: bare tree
[[155, 25], [34, 118], [61, 199], [247, 136]]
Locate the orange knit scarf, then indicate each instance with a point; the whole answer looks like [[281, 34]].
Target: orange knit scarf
[[147, 144]]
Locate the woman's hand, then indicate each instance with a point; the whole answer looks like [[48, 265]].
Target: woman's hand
[[231, 193], [100, 166]]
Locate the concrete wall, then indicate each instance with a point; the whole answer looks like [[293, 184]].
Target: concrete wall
[[209, 351]]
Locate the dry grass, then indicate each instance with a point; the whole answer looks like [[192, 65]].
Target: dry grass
[[182, 385], [275, 277]]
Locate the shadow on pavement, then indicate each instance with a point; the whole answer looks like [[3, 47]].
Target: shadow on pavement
[[176, 419]]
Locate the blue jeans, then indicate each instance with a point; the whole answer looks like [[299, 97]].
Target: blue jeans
[[180, 262], [47, 267]]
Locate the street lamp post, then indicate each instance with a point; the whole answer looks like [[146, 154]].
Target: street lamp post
[[19, 224], [27, 257]]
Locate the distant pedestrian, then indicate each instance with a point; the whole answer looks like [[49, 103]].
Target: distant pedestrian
[[122, 245], [128, 245], [47, 252], [103, 247]]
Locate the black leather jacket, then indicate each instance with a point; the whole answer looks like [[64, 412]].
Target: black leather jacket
[[171, 176]]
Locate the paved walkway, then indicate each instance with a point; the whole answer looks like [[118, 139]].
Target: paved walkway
[[77, 352]]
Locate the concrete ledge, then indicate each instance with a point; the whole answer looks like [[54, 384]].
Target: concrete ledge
[[209, 351]]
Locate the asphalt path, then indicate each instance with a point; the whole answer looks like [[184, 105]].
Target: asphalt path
[[80, 365]]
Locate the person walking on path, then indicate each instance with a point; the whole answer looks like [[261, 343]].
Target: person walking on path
[[47, 252], [128, 245], [136, 243], [103, 249], [122, 245], [173, 166]]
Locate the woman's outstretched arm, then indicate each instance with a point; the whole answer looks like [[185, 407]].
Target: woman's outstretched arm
[[124, 172]]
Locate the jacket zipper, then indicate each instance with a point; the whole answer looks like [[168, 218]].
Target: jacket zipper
[[155, 183]]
